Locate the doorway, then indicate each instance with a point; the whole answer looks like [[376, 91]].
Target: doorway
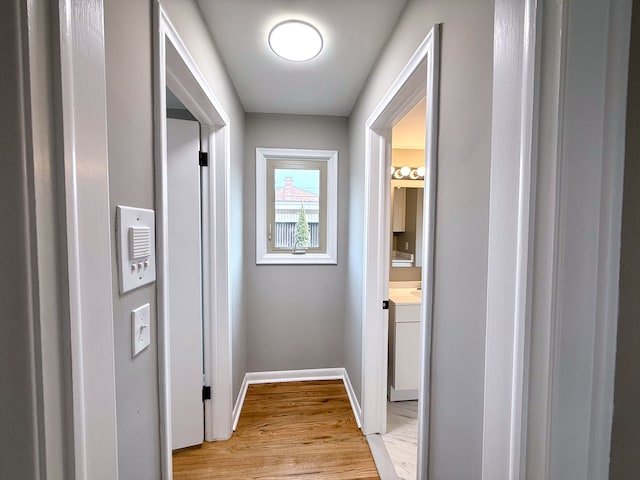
[[418, 77], [404, 288], [176, 70], [184, 225]]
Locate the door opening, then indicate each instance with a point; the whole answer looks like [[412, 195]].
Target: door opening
[[184, 226], [176, 70], [419, 76], [404, 287]]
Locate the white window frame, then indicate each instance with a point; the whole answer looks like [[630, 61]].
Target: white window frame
[[263, 256]]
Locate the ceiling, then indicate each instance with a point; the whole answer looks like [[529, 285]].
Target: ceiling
[[411, 131], [354, 32]]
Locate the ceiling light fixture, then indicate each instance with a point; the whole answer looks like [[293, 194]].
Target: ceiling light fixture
[[295, 40]]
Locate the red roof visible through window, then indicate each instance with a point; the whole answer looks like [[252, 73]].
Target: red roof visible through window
[[289, 193]]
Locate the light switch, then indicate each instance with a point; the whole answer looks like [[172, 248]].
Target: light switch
[[140, 326]]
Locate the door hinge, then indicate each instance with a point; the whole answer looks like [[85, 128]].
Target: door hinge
[[206, 393], [204, 159], [385, 304]]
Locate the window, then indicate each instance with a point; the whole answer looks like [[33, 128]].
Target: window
[[296, 206]]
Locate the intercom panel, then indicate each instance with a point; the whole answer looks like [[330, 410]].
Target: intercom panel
[[136, 247]]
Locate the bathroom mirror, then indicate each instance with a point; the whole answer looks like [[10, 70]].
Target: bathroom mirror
[[407, 199]]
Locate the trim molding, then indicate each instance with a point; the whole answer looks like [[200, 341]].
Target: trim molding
[[558, 229], [511, 217], [84, 158], [281, 376]]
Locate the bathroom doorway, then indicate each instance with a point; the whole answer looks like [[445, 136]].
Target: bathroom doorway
[[405, 289], [417, 80]]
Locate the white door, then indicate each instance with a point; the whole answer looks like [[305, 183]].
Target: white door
[[185, 291]]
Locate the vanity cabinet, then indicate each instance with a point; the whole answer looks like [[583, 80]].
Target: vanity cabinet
[[404, 351]]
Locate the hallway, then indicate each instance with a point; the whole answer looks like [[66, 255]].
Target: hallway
[[529, 357]]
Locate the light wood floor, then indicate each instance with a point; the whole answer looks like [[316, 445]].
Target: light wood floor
[[286, 430]]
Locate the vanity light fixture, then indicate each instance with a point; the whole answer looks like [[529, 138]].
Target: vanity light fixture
[[407, 173], [295, 40]]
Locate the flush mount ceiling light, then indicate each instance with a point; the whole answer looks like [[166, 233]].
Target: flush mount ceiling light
[[295, 40]]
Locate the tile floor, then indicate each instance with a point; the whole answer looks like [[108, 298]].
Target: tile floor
[[401, 438]]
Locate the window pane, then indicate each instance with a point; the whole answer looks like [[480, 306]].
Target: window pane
[[297, 207]]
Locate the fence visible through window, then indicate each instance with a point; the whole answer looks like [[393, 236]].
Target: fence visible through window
[[286, 233]]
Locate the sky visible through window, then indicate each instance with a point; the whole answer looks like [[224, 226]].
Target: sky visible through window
[[308, 180]]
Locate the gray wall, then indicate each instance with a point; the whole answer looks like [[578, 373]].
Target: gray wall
[[129, 65], [625, 435], [18, 456], [130, 141], [462, 220], [295, 313]]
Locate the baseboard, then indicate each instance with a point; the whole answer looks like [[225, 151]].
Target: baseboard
[[297, 376], [355, 406], [237, 408], [402, 395]]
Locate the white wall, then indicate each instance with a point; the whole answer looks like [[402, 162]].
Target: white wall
[[462, 220], [129, 55], [295, 313]]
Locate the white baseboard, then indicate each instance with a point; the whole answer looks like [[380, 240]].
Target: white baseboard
[[355, 406], [237, 408], [402, 395], [297, 376]]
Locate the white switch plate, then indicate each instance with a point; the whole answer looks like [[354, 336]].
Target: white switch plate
[[140, 326]]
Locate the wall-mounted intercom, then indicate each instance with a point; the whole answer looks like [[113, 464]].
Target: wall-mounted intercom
[[135, 232]]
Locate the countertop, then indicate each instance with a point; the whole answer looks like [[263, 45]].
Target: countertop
[[405, 296]]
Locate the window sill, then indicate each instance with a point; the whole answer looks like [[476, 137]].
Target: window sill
[[296, 259]]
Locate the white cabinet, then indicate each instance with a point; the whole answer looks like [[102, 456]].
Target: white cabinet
[[404, 351], [399, 207]]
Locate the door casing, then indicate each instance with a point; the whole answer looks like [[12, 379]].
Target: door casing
[[419, 76], [177, 70]]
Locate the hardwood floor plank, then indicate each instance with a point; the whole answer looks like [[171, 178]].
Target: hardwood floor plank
[[286, 430]]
